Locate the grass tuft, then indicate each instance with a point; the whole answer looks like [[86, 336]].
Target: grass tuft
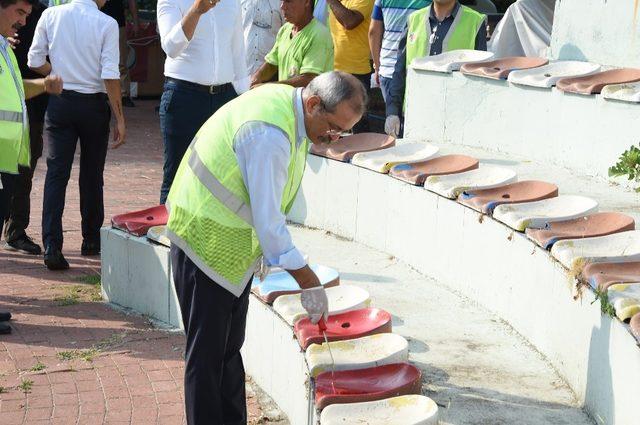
[[26, 385]]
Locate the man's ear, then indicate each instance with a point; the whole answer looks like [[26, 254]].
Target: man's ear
[[312, 103]]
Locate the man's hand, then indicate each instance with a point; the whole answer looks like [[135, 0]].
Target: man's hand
[[13, 40], [119, 133], [376, 78], [53, 84], [315, 301], [203, 6], [392, 125]]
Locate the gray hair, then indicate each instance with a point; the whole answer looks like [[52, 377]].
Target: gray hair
[[335, 87]]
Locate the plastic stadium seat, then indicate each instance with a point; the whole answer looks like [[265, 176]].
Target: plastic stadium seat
[[138, 222], [485, 200], [359, 353], [485, 177], [593, 84], [499, 69], [381, 161], [375, 383], [349, 325], [602, 275], [598, 224], [618, 247], [540, 213], [344, 149], [402, 410], [448, 62], [282, 283], [548, 75], [629, 92], [634, 325], [342, 298], [158, 234], [418, 172]]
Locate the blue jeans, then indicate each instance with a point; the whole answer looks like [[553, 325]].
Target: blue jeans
[[184, 108], [385, 86]]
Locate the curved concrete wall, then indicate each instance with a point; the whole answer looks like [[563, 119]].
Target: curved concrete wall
[[489, 263]]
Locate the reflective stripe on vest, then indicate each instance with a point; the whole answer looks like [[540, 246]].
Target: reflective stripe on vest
[[11, 116], [221, 193]]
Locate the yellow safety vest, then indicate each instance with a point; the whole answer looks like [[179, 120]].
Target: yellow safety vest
[[210, 215], [14, 127]]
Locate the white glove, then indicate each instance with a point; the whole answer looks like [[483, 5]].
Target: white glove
[[392, 125], [315, 301]]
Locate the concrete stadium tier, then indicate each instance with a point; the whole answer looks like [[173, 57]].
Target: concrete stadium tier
[[486, 200], [629, 92], [499, 69], [402, 153], [618, 247], [358, 353], [375, 383], [345, 148], [548, 75], [282, 283], [402, 410], [418, 172], [602, 275], [589, 226], [138, 222], [594, 83], [625, 298], [341, 298], [448, 62], [485, 177], [540, 213], [349, 325]]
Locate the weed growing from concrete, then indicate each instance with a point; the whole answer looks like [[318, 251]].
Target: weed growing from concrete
[[2, 390], [86, 355], [605, 306], [26, 385], [38, 367]]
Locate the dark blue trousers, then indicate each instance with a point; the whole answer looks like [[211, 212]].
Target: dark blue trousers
[[184, 108], [71, 117], [214, 322]]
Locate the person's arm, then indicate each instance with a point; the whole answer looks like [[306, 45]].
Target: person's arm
[[51, 84], [348, 18], [133, 9], [176, 30], [397, 86], [376, 31], [110, 74], [241, 80], [263, 152], [300, 80], [263, 74], [37, 56], [481, 36]]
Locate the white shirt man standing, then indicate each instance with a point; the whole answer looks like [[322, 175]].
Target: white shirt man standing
[[82, 45], [261, 20], [205, 68]]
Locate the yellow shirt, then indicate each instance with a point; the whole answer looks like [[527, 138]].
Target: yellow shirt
[[351, 47]]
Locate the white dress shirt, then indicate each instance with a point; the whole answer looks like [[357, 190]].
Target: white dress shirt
[[82, 45], [263, 152], [261, 20], [214, 55]]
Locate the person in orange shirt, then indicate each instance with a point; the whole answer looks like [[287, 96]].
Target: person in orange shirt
[[349, 24]]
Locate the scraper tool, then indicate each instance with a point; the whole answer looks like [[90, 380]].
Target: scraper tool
[[322, 326]]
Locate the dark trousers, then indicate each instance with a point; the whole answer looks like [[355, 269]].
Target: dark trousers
[[8, 182], [214, 323], [184, 108], [17, 220], [73, 116], [362, 126]]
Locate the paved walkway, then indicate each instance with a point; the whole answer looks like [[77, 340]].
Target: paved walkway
[[72, 359]]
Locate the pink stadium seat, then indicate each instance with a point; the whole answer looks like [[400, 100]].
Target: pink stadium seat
[[500, 69], [485, 200], [602, 275], [416, 173], [138, 222], [593, 84], [344, 149]]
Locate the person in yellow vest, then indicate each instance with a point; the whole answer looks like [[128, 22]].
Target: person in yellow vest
[[227, 208], [303, 48], [349, 25], [14, 123], [443, 26]]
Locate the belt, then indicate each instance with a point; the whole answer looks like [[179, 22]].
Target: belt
[[213, 89], [73, 93]]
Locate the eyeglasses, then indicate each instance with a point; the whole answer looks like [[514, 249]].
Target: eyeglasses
[[334, 129]]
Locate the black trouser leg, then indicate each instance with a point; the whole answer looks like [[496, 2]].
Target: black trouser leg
[[362, 126], [20, 205], [6, 193], [94, 139], [214, 322]]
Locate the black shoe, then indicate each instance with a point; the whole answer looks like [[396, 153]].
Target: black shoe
[[126, 101], [24, 244], [5, 316], [5, 328], [54, 260], [90, 248]]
